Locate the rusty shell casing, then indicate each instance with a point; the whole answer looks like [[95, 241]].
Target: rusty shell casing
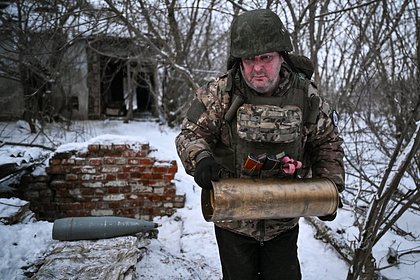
[[259, 199]]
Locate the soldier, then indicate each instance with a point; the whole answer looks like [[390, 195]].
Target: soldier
[[265, 107]]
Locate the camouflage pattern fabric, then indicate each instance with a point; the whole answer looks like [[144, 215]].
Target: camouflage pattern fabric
[[263, 24], [205, 126], [267, 123]]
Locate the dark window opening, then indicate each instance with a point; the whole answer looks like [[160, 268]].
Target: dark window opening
[[114, 87], [144, 96], [74, 103]]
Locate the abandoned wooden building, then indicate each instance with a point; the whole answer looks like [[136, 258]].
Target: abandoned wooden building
[[71, 73]]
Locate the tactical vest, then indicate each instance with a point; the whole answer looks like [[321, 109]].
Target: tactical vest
[[270, 125]]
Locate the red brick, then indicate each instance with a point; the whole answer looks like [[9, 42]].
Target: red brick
[[126, 189], [93, 184], [158, 183], [179, 199], [85, 177], [159, 169], [143, 153], [87, 191], [129, 154], [120, 161], [127, 212], [114, 205], [105, 147], [111, 177], [94, 148], [93, 177], [111, 169], [113, 190], [116, 183], [169, 176], [173, 169], [144, 181], [156, 198], [85, 154], [133, 161], [64, 206], [137, 203], [179, 204], [32, 195], [122, 147], [88, 170], [102, 205], [77, 213], [95, 161], [64, 155], [99, 192], [71, 177], [88, 205], [135, 175], [170, 191], [59, 184], [75, 169], [132, 169], [109, 160], [38, 186], [69, 161], [40, 178], [146, 161], [55, 169], [123, 176], [55, 161], [169, 211], [157, 176], [150, 175], [80, 161], [158, 212], [119, 175], [45, 193]]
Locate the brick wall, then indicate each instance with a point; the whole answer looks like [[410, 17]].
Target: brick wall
[[119, 180]]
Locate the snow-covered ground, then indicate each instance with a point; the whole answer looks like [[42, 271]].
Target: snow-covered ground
[[186, 247]]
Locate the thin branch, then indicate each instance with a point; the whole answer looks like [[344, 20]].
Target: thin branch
[[347, 9], [27, 145], [138, 33]]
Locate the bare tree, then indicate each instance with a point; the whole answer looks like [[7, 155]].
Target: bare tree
[[366, 63], [186, 39], [39, 34], [366, 57]]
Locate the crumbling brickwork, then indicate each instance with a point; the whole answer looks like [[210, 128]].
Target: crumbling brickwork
[[119, 180]]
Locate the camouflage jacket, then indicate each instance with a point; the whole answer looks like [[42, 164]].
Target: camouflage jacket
[[205, 126]]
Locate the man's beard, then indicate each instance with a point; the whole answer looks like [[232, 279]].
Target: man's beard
[[269, 85]]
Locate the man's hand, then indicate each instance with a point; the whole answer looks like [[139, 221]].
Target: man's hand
[[207, 170]]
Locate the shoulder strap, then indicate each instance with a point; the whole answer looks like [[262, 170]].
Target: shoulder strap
[[313, 102], [235, 100], [300, 64]]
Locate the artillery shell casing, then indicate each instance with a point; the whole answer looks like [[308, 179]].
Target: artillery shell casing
[[256, 199]]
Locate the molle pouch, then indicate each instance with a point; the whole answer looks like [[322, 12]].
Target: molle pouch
[[251, 166], [269, 123]]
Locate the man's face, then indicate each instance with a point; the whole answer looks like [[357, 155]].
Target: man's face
[[261, 72]]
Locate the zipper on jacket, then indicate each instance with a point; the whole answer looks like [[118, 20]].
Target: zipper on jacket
[[261, 229]]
